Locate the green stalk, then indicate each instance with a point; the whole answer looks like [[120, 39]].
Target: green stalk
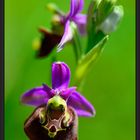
[[77, 47]]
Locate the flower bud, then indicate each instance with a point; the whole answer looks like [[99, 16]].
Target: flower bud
[[104, 9], [111, 22]]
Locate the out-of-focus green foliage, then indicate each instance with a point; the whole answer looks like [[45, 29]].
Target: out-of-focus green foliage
[[110, 86]]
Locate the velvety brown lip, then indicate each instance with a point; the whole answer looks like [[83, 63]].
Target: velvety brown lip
[[35, 131], [48, 41]]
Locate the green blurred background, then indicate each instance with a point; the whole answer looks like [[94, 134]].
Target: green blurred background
[[110, 86]]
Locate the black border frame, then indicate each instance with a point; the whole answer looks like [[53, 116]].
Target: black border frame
[[2, 70], [137, 70]]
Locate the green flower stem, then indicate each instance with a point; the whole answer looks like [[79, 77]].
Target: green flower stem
[[75, 51], [78, 41], [77, 45]]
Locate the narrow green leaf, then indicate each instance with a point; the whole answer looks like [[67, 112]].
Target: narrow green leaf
[[76, 42], [87, 61], [94, 39], [91, 18]]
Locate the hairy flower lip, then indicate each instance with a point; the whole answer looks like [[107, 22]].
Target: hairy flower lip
[[60, 87], [34, 130]]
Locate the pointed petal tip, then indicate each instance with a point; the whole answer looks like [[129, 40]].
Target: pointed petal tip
[[59, 48], [89, 113], [22, 99], [93, 113]]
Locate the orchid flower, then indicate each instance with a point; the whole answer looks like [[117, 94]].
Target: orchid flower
[[60, 88], [74, 16], [62, 30]]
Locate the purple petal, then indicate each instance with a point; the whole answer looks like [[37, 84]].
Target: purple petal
[[67, 92], [46, 88], [81, 105], [75, 7], [37, 96], [81, 21], [72, 8], [67, 36], [80, 6], [60, 76]]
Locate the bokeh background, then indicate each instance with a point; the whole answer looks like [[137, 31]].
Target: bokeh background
[[110, 86]]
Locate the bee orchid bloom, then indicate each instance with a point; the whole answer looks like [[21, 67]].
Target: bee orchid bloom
[[60, 87], [76, 17]]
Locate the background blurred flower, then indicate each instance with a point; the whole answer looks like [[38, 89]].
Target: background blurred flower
[[62, 28], [75, 17], [47, 43]]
